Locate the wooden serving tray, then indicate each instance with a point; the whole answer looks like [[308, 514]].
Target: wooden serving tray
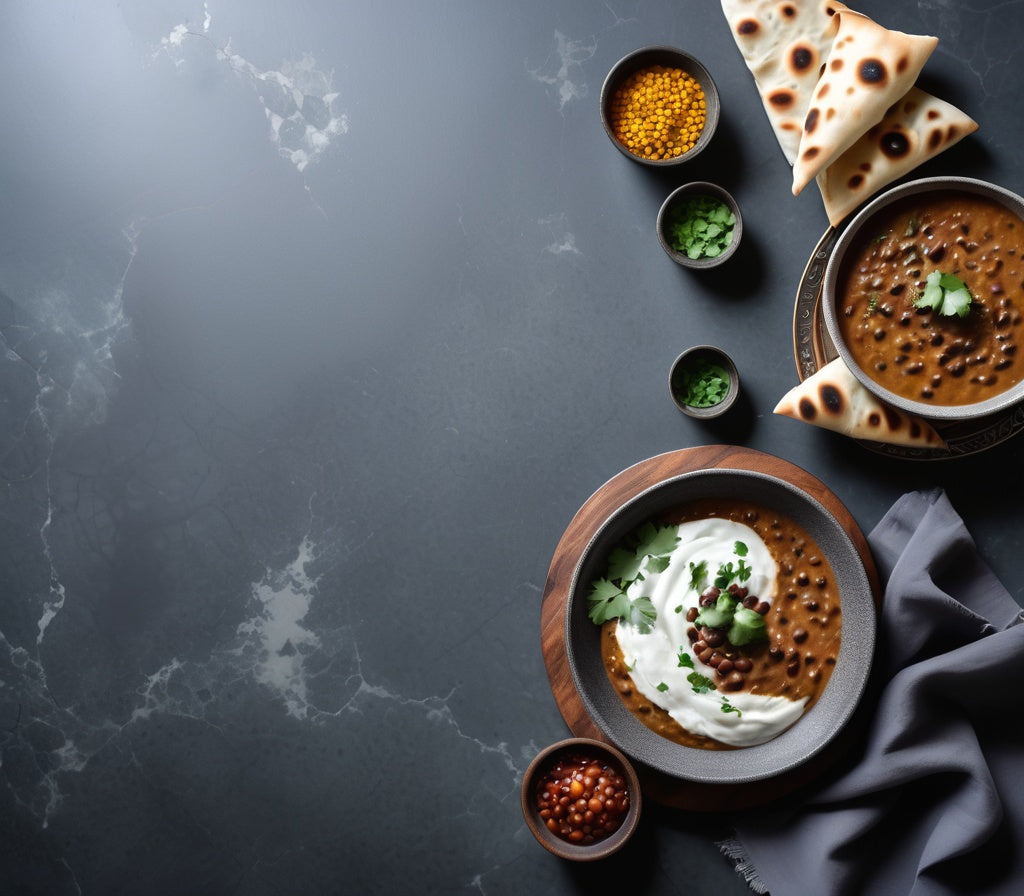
[[588, 519]]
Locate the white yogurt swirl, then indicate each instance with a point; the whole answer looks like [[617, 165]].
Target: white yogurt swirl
[[653, 657]]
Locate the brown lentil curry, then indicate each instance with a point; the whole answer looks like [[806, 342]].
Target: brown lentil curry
[[803, 624], [919, 353]]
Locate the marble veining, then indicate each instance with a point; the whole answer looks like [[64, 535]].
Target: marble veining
[[301, 104], [281, 476]]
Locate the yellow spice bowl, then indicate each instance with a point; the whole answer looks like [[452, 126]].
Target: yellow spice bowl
[[652, 113]]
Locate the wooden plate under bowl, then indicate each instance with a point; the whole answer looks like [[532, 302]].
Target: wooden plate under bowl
[[627, 484]]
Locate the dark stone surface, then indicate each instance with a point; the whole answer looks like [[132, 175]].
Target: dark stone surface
[[319, 323]]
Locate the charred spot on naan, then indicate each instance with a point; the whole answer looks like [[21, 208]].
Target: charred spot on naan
[[895, 143], [807, 409], [893, 419], [802, 58], [832, 399], [748, 27], [873, 72], [783, 98]]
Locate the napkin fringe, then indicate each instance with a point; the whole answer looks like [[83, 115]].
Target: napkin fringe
[[733, 850]]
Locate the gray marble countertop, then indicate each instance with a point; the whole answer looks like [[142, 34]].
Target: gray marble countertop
[[319, 323]]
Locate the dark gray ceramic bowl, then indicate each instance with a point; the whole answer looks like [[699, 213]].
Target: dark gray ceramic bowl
[[818, 726], [829, 296], [672, 58]]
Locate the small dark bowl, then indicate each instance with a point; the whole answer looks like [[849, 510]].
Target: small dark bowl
[[675, 201], [562, 848], [671, 58], [818, 727], [713, 356], [830, 298]]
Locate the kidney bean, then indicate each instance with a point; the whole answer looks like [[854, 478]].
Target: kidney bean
[[600, 803]]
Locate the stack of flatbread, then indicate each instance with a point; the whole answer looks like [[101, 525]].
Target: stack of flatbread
[[839, 91]]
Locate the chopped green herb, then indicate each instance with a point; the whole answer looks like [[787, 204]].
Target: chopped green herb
[[701, 684], [608, 598], [946, 294], [728, 571], [701, 384], [728, 707], [662, 687], [700, 227], [606, 601], [740, 549], [698, 574], [642, 614], [685, 660]]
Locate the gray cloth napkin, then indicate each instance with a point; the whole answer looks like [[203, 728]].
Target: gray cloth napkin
[[930, 800]]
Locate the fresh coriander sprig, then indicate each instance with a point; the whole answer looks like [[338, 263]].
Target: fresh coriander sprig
[[608, 598], [946, 294]]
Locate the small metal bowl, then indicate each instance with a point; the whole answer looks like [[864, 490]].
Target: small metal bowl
[[668, 57], [674, 207], [695, 357], [598, 752]]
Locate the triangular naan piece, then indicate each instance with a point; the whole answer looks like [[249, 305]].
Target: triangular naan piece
[[915, 129], [868, 69], [784, 43], [835, 399]]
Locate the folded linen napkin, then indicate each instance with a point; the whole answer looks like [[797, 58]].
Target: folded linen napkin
[[931, 799]]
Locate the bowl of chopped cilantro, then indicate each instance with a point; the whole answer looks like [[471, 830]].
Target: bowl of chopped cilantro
[[699, 225], [703, 382]]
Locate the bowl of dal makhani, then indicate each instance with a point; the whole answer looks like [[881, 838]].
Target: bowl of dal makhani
[[720, 627], [923, 297]]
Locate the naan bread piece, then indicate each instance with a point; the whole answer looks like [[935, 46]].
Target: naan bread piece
[[868, 69], [915, 129], [835, 399], [784, 43]]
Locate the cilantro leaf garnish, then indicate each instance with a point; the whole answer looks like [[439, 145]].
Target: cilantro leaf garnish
[[740, 549], [662, 687], [624, 566], [642, 614], [946, 294], [701, 684], [743, 572], [728, 707], [685, 660], [658, 542], [726, 573], [606, 601], [698, 574]]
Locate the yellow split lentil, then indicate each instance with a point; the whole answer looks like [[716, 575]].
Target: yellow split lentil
[[658, 112]]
